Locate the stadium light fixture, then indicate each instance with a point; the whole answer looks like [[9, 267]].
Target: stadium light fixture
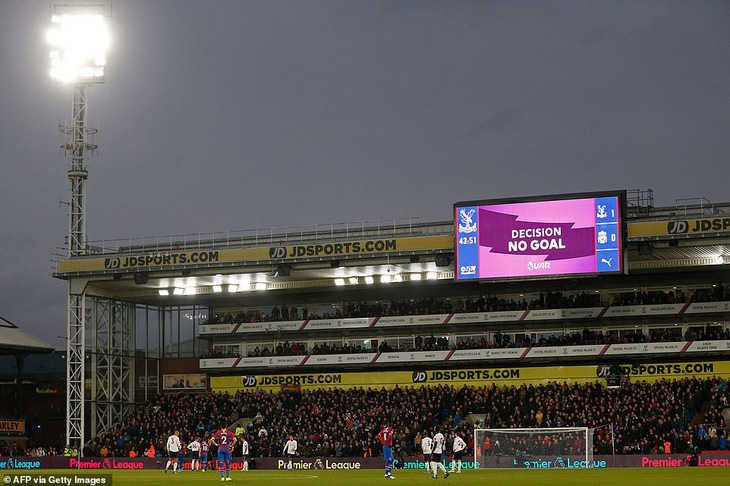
[[217, 289], [79, 41], [369, 280], [385, 279], [354, 280], [164, 292], [415, 276], [232, 288], [178, 291], [432, 276], [190, 291], [339, 282], [398, 278], [260, 286]]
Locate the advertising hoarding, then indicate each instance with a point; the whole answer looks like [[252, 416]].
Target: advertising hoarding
[[551, 236]]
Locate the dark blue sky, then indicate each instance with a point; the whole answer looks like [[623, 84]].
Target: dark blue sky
[[225, 115]]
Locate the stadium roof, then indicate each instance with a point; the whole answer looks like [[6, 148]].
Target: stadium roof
[[13, 340]]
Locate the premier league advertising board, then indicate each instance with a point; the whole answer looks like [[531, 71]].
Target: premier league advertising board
[[559, 235]]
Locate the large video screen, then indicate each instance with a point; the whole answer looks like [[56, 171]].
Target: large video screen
[[535, 238]]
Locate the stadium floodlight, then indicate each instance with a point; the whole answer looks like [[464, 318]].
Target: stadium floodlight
[[232, 288], [369, 280], [354, 280], [385, 279], [79, 41], [178, 291], [339, 282], [217, 289], [190, 291], [397, 278], [164, 292], [260, 286], [415, 276], [432, 276]]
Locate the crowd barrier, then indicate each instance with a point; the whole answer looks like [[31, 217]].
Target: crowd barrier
[[349, 463]]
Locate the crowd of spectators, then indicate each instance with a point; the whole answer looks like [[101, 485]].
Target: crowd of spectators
[[484, 303], [498, 340], [335, 422]]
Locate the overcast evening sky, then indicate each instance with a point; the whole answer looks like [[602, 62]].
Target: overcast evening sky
[[226, 115]]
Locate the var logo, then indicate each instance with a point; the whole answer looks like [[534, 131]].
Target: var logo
[[277, 252], [419, 377], [677, 227], [249, 381], [111, 263]]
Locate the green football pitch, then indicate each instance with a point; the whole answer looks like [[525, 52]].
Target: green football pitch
[[604, 477]]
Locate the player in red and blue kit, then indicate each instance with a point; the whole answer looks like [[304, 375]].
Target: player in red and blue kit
[[204, 455], [386, 438], [225, 440]]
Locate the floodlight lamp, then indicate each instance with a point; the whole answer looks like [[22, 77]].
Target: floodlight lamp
[[432, 275], [339, 282], [178, 291], [79, 42], [369, 280], [415, 276], [260, 286], [397, 278], [354, 280], [232, 288], [217, 288], [164, 292]]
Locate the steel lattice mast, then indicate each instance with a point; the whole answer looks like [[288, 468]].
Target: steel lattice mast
[[78, 57]]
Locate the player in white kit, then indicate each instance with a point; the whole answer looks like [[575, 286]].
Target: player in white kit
[[459, 447], [173, 449], [426, 447], [245, 453], [438, 449]]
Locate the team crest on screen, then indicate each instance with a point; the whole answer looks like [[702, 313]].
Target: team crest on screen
[[467, 224]]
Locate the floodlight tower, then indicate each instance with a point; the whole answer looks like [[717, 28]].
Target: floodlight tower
[[79, 40]]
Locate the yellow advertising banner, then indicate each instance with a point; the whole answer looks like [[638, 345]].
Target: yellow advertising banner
[[259, 254], [678, 227], [9, 426], [473, 377]]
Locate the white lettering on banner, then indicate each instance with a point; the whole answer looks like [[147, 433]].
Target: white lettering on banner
[[210, 363], [389, 321], [698, 346], [411, 357], [338, 323], [550, 314], [335, 359], [216, 328], [703, 307], [644, 310]]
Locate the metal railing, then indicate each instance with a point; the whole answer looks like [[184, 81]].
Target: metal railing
[[268, 236]]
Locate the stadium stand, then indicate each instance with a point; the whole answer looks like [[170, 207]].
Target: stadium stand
[[336, 422]]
